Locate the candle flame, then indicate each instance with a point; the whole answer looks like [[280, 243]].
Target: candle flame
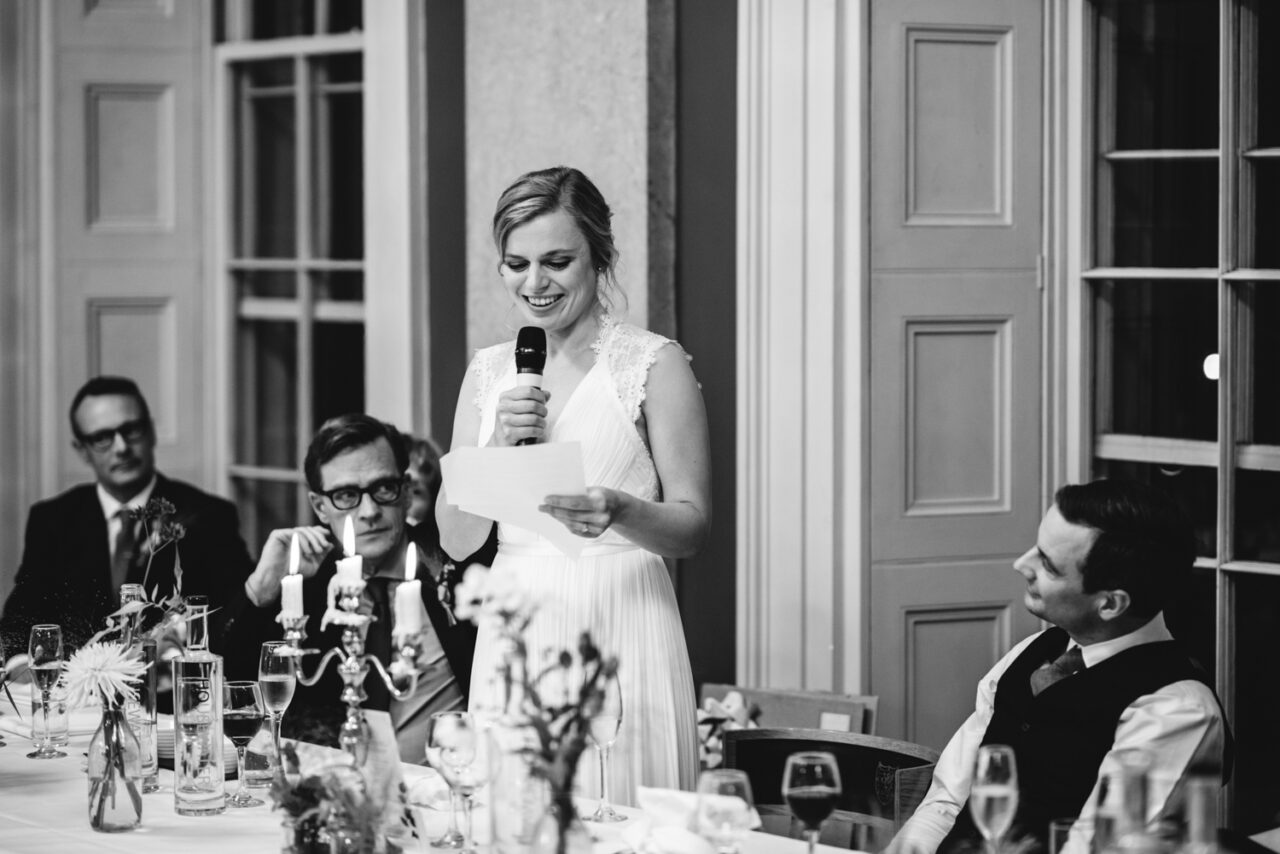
[[410, 562], [295, 556], [349, 538]]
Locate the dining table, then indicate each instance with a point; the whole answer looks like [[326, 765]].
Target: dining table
[[44, 810]]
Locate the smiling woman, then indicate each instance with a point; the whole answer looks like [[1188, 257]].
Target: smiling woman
[[629, 399]]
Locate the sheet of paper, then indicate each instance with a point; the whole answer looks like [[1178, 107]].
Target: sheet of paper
[[508, 484]]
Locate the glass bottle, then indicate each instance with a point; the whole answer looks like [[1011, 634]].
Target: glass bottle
[[141, 713], [197, 710], [1127, 810], [1202, 815]]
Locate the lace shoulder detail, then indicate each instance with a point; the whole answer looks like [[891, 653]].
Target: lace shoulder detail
[[629, 352], [488, 366]]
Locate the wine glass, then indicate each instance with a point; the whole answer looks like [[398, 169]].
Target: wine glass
[[725, 808], [811, 785], [45, 651], [993, 800], [604, 727], [277, 680], [459, 750], [242, 711]]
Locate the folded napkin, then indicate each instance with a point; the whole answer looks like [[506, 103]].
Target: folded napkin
[[426, 788], [669, 823]]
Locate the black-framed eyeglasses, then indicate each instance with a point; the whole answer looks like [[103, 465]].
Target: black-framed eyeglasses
[[384, 492], [131, 431]]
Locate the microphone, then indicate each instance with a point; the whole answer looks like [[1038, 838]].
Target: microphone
[[531, 357]]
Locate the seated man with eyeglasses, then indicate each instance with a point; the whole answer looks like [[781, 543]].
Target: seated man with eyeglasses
[[82, 545], [356, 469]]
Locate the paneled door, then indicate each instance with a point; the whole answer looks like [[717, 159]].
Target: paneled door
[[955, 356], [128, 224]]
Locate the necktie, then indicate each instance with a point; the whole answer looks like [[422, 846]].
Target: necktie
[[1060, 668], [126, 550], [377, 641]]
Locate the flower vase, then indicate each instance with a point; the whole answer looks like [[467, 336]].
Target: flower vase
[[115, 774], [561, 831]]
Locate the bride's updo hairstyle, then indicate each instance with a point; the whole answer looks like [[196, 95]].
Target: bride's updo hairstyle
[[562, 188]]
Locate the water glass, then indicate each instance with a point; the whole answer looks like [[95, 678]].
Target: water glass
[[52, 727], [145, 729], [44, 651], [198, 772], [725, 808], [1062, 840], [993, 799], [260, 758]]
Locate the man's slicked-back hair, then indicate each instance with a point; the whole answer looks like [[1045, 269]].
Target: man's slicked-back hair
[[104, 385], [1145, 544], [344, 433]]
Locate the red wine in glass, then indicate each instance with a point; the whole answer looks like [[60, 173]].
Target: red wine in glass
[[811, 785], [812, 804]]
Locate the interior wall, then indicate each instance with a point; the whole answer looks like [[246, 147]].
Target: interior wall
[[706, 38]]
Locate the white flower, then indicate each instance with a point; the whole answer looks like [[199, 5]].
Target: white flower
[[103, 670], [469, 594]]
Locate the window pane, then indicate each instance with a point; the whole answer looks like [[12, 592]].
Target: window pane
[[338, 156], [265, 506], [266, 397], [1255, 623], [339, 370], [1158, 335], [275, 19], [345, 16], [338, 287], [1164, 213], [1166, 68], [1267, 15], [1261, 302], [1195, 488], [266, 284], [1257, 515], [1266, 201], [267, 151]]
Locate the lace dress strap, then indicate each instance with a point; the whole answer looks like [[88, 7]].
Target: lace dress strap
[[630, 352], [488, 366]]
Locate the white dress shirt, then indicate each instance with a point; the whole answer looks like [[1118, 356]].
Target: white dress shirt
[[1180, 725], [111, 509]]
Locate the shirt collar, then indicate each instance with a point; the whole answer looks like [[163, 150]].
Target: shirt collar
[[1155, 630], [110, 506]]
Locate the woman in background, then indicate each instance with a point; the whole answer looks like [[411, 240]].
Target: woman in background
[[630, 398]]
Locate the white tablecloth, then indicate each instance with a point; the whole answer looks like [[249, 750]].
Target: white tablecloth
[[44, 810]]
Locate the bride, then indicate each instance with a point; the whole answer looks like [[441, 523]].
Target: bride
[[630, 398]]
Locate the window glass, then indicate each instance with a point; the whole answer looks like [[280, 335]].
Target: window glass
[[338, 364], [1164, 213], [1266, 200], [266, 402], [1257, 515], [1267, 63], [338, 287], [1261, 307], [338, 158], [266, 284], [265, 506], [267, 149], [1158, 335], [1255, 622], [1193, 487], [1170, 46]]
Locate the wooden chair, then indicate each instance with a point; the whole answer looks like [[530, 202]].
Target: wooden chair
[[883, 781], [805, 709]]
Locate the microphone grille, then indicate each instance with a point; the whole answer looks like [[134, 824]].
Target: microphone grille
[[531, 349]]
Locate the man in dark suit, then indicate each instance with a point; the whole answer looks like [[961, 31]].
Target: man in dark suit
[[355, 469], [82, 545]]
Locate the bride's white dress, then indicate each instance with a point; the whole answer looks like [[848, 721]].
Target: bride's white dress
[[621, 593]]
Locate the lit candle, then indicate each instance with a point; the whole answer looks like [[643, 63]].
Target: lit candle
[[291, 584], [351, 567], [409, 596]]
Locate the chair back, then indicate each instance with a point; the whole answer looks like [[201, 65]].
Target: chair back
[[805, 709], [883, 780]]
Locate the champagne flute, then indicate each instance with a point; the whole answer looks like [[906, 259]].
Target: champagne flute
[[811, 785], [446, 747], [277, 680], [604, 727], [993, 800], [45, 651], [724, 808], [242, 712]]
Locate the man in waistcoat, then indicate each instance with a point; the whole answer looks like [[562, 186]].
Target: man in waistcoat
[[1106, 679]]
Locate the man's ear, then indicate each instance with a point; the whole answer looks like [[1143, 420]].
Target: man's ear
[[1113, 603], [317, 504]]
